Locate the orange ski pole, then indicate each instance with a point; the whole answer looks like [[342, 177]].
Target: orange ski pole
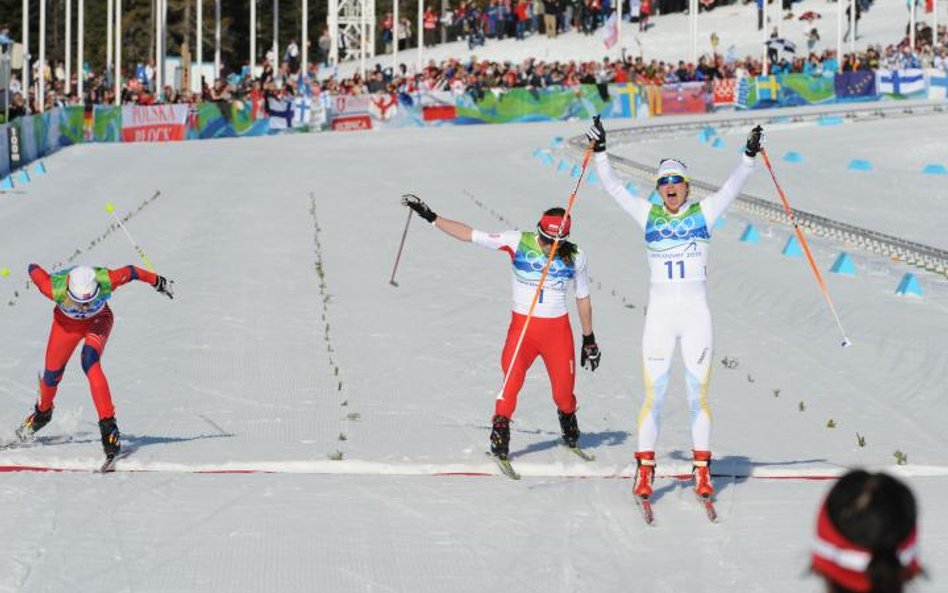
[[546, 268], [806, 248]]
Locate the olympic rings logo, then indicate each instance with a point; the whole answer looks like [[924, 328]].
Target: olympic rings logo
[[537, 260], [678, 228]]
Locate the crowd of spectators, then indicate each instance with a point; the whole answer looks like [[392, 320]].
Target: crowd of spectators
[[282, 78]]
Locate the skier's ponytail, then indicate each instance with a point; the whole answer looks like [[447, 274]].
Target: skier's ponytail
[[885, 572]]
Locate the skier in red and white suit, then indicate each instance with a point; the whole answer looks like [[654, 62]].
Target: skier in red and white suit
[[548, 335], [82, 314]]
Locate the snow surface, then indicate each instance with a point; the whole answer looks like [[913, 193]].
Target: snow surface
[[668, 39], [260, 364]]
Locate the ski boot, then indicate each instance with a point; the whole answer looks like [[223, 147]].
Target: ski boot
[[33, 423], [570, 428], [500, 437], [110, 437], [701, 470], [644, 474]]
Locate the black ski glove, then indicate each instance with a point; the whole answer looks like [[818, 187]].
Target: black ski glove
[[596, 133], [590, 352], [755, 141], [420, 208], [164, 286]]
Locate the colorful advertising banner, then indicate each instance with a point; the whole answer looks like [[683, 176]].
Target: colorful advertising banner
[[804, 89], [222, 119], [154, 123], [685, 97], [107, 123]]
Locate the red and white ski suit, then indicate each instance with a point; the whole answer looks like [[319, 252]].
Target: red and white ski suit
[[549, 335], [73, 324]]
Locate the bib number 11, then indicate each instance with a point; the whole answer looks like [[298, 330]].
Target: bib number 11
[[671, 269]]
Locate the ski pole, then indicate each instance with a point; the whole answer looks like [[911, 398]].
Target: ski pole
[[546, 268], [400, 246], [141, 252], [806, 248]]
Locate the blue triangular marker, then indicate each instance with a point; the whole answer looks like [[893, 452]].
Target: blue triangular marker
[[843, 265], [792, 248], [720, 223], [548, 159], [860, 165], [593, 178], [750, 234], [557, 142], [562, 166], [40, 168], [24, 177], [537, 152], [631, 188], [6, 183], [792, 157], [718, 143], [655, 198], [577, 170], [909, 286], [829, 120], [935, 169]]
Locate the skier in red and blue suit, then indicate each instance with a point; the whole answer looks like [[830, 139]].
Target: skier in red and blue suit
[[82, 314]]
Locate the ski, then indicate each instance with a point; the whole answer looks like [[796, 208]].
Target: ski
[[645, 507], [16, 443], [108, 465], [580, 453], [504, 466], [709, 510]]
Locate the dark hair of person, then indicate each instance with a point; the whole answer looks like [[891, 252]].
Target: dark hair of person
[[566, 250], [877, 512]]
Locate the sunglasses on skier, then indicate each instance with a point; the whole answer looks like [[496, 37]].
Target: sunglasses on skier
[[669, 179]]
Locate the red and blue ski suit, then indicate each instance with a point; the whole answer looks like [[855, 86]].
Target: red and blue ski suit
[[73, 323]]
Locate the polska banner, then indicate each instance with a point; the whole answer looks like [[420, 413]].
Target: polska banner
[[154, 123], [350, 112]]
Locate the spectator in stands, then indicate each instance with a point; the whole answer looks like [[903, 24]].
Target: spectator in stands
[[388, 33], [812, 38], [323, 46], [866, 535], [292, 56], [645, 12], [908, 59], [849, 21], [521, 14], [17, 106], [549, 18]]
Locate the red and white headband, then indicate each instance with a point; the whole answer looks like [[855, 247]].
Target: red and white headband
[[846, 563]]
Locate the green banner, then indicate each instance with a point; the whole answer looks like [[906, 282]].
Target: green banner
[[107, 124], [525, 105]]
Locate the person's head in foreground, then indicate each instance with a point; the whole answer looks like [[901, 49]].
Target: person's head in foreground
[[866, 536]]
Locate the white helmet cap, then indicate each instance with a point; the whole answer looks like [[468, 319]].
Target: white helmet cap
[[83, 286], [671, 167]]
